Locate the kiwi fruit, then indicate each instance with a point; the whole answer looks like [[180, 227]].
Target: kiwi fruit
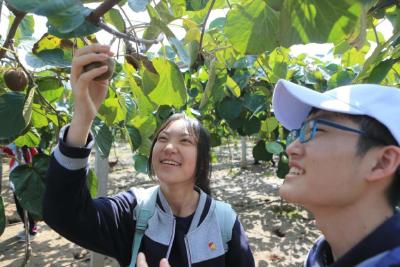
[[97, 64], [15, 79]]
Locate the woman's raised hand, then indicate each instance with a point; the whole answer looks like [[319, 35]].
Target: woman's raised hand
[[88, 93]]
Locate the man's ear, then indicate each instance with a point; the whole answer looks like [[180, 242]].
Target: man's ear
[[387, 161]]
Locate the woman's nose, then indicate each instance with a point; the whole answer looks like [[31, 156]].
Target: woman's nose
[[170, 147]]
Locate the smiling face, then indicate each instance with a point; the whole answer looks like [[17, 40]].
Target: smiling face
[[326, 171], [174, 155]]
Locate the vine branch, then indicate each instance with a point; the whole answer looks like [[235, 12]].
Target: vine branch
[[125, 36], [102, 9], [95, 18], [19, 16], [205, 22]]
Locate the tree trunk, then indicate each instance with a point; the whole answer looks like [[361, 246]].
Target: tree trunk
[[243, 160]]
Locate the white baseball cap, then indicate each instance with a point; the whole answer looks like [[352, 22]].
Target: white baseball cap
[[292, 103]]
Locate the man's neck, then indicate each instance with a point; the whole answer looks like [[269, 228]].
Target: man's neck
[[343, 228]]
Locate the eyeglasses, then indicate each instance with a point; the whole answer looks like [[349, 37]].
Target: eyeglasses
[[309, 128]]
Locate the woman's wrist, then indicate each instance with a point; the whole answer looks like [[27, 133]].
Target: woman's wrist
[[78, 132]]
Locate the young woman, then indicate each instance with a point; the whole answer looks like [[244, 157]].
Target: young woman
[[185, 227]]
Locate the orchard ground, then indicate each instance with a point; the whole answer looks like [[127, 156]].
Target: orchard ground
[[280, 234]]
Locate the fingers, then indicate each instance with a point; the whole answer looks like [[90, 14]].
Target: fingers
[[141, 260], [164, 263]]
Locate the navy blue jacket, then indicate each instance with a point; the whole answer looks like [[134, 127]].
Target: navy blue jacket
[[381, 248], [106, 224]]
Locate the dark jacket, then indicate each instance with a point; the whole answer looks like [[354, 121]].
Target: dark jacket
[[381, 248], [106, 224]]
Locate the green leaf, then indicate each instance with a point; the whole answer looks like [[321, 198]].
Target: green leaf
[[114, 17], [84, 29], [229, 108], [260, 153], [255, 102], [251, 126], [170, 89], [68, 20], [353, 57], [270, 124], [175, 43], [274, 147], [29, 139], [322, 21], [53, 57], [71, 23], [380, 71], [103, 136], [215, 140], [40, 7], [143, 102], [25, 29], [278, 62], [92, 183], [236, 124], [50, 88], [140, 163], [128, 105], [340, 78], [283, 166], [2, 216], [218, 23], [146, 124], [194, 5], [15, 113], [134, 137], [138, 5], [252, 27], [29, 185], [210, 84], [233, 86], [39, 118]]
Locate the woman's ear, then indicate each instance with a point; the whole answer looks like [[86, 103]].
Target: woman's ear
[[387, 161]]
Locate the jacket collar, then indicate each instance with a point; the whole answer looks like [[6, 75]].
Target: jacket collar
[[380, 240]]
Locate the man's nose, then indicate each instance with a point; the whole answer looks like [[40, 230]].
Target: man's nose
[[294, 148]]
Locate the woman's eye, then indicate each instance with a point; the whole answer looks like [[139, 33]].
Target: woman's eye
[[186, 141], [161, 138]]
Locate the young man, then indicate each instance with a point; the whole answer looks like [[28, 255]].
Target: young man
[[344, 160]]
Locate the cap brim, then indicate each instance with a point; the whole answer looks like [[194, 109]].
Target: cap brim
[[292, 103]]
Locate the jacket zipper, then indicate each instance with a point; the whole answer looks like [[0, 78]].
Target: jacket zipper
[[189, 257]]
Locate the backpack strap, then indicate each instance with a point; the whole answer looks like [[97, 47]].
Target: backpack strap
[[226, 217], [144, 210]]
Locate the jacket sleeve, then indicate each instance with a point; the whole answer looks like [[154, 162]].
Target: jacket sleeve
[[105, 224], [239, 253]]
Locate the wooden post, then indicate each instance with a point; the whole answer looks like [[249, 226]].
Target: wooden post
[[101, 169], [243, 160]]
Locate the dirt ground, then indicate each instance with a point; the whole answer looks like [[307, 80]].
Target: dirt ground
[[280, 234]]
